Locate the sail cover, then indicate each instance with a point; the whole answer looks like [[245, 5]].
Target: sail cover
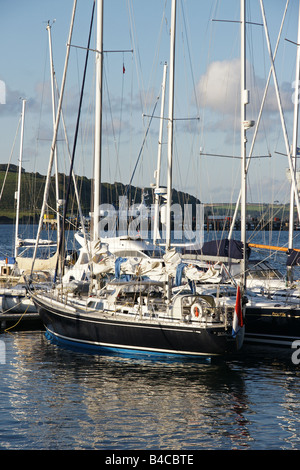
[[293, 258], [225, 248]]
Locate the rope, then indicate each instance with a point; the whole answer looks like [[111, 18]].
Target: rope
[[13, 326], [2, 313]]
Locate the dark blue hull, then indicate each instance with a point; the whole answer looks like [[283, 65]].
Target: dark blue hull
[[279, 326], [98, 333]]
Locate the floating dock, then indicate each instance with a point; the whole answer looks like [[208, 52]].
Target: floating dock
[[20, 322]]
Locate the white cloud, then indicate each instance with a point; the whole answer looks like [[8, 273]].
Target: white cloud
[[219, 89]]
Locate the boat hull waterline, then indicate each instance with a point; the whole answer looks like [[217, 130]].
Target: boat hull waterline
[[94, 330]]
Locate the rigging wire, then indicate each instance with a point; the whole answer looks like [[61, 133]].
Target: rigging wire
[[74, 144], [146, 93], [188, 59], [116, 144], [203, 98], [142, 146]]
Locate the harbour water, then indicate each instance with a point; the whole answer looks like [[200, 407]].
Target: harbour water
[[59, 399]]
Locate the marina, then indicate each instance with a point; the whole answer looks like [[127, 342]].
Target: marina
[[163, 325]]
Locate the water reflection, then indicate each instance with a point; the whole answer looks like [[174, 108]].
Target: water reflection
[[60, 399]]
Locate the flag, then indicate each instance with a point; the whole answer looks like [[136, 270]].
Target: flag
[[123, 68], [237, 322]]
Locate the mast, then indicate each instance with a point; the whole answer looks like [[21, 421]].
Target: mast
[[294, 144], [170, 123], [283, 124], [244, 102], [53, 117], [98, 121], [258, 121], [160, 137], [53, 144], [18, 194]]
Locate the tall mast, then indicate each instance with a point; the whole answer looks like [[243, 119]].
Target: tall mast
[[18, 194], [295, 137], [170, 122], [53, 144], [258, 121], [98, 120], [160, 137], [244, 102], [54, 118], [286, 141]]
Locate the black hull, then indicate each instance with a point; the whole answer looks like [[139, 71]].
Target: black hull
[[275, 327], [93, 332]]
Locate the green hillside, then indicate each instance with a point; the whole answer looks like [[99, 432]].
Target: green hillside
[[32, 192]]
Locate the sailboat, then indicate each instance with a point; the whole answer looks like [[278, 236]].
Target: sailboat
[[10, 273], [272, 311], [275, 321], [141, 315], [13, 290]]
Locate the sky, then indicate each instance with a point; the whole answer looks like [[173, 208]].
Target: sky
[[137, 44]]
